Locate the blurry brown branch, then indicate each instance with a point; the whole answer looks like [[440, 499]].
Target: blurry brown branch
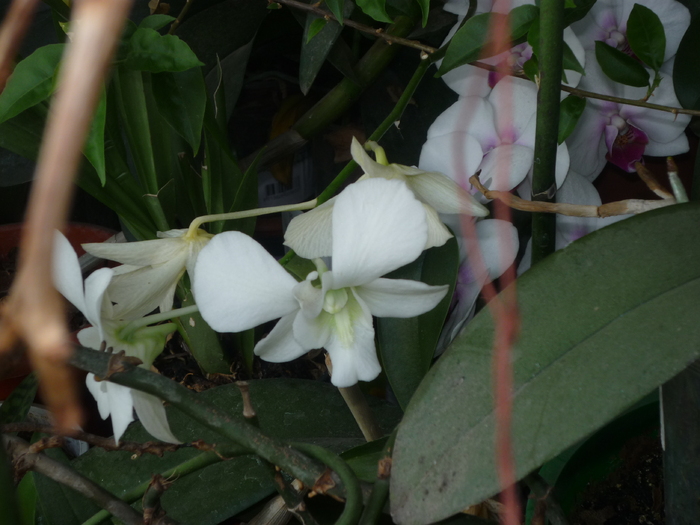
[[14, 26]]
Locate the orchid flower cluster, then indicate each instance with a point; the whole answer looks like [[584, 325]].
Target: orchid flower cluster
[[375, 226]]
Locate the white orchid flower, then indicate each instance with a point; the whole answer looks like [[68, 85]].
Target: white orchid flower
[[498, 244], [495, 134], [310, 234], [621, 134], [151, 270], [91, 298], [378, 226]]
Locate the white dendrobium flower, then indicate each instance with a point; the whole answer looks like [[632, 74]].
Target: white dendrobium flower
[[621, 134], [92, 299], [151, 270], [378, 226], [310, 234], [495, 134]]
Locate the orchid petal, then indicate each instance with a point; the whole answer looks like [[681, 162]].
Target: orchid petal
[[444, 195], [400, 297], [141, 253], [280, 346], [468, 80], [575, 190], [121, 408], [514, 101], [95, 286], [504, 167], [438, 234], [472, 115], [353, 359], [586, 145], [67, 276], [152, 415], [668, 149], [378, 226], [574, 77], [238, 285], [498, 242], [98, 389], [309, 297], [310, 234], [457, 155], [312, 332]]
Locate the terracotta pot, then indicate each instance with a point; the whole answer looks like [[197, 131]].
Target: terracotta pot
[[15, 369]]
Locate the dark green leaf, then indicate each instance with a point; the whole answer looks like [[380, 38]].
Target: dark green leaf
[[315, 50], [150, 51], [315, 27], [620, 67], [573, 14], [646, 36], [337, 7], [31, 82], [620, 319], [95, 143], [407, 346], [181, 99], [686, 68], [156, 22], [533, 37], [531, 68], [16, 407], [424, 9], [570, 111], [27, 500], [228, 76], [470, 42], [375, 9], [569, 60], [364, 459]]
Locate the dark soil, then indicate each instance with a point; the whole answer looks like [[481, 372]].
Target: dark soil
[[632, 494]]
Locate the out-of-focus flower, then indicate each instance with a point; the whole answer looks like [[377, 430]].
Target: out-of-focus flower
[[378, 226], [92, 299], [310, 234]]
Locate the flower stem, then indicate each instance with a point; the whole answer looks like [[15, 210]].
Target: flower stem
[[196, 223], [130, 328]]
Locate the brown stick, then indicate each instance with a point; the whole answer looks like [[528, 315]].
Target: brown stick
[[24, 460], [14, 26], [34, 310]]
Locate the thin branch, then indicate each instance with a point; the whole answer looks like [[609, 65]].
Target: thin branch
[[18, 450], [313, 8], [180, 17], [14, 26], [651, 182]]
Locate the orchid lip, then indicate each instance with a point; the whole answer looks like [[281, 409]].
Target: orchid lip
[[627, 148]]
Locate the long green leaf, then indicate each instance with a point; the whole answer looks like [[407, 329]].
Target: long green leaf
[[646, 36], [620, 67], [686, 68], [31, 82], [603, 322], [95, 143], [407, 346], [314, 51], [570, 110]]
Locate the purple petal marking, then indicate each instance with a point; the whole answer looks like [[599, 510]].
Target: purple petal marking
[[627, 148]]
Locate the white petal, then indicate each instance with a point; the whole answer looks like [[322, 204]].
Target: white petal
[[356, 359], [576, 190], [280, 346], [498, 242], [238, 285], [458, 155], [309, 297], [563, 163], [472, 115], [121, 408], [67, 276], [90, 338], [573, 77], [99, 392], [515, 102], [444, 195], [141, 253], [586, 144], [667, 149], [468, 80], [152, 415], [310, 234], [378, 226], [400, 297], [438, 234], [95, 286], [312, 332], [506, 166]]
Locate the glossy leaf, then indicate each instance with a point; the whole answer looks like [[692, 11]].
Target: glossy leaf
[[364, 459], [156, 22], [646, 36], [337, 7], [686, 68], [573, 14], [425, 10], [290, 409], [375, 9], [150, 51], [314, 28], [95, 143], [570, 111], [407, 346], [31, 82], [620, 67], [181, 99], [618, 318], [470, 42]]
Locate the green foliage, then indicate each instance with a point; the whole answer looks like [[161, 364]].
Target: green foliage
[[686, 68], [316, 25], [375, 9], [31, 82], [578, 11], [337, 7], [16, 407], [570, 110], [585, 354], [155, 53], [646, 36], [95, 144], [156, 22], [318, 44], [620, 67], [407, 346], [471, 40]]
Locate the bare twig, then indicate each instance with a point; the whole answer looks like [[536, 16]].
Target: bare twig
[[180, 17], [14, 26], [651, 182], [34, 311], [611, 209], [313, 8], [24, 460]]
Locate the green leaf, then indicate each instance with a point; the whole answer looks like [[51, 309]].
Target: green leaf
[[425, 10], [31, 82], [182, 99], [364, 459], [94, 148], [619, 319], [646, 36], [150, 51], [407, 346], [574, 14], [569, 60], [156, 22], [316, 49], [531, 68], [293, 409], [470, 42], [16, 407], [686, 68], [620, 67], [27, 500], [570, 111], [314, 28], [375, 9], [337, 7]]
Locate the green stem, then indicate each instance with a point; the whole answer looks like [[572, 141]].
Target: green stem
[[380, 490], [130, 328], [543, 179], [235, 429]]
